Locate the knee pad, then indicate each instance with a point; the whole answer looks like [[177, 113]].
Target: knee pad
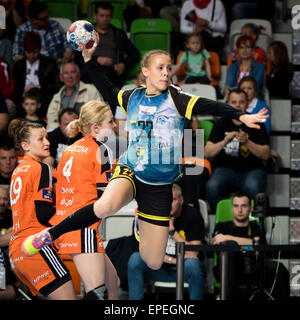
[[99, 293]]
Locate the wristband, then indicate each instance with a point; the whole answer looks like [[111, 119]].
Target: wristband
[[170, 260]]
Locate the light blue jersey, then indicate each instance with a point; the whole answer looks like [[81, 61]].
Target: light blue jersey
[[154, 152]]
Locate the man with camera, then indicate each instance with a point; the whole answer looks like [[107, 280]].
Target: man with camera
[[243, 267]]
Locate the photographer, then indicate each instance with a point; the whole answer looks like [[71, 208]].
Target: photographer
[[243, 267]]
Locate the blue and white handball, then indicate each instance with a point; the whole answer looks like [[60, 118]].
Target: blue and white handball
[[81, 32]]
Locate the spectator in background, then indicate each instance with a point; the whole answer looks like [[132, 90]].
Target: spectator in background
[[4, 117], [206, 17], [73, 94], [246, 66], [243, 267], [5, 219], [58, 138], [7, 279], [5, 47], [238, 154], [258, 53], [7, 86], [8, 161], [186, 225], [15, 15], [35, 70], [31, 104], [54, 43], [248, 84], [115, 53], [281, 74]]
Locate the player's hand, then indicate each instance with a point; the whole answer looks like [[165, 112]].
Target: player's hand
[[252, 120], [88, 53]]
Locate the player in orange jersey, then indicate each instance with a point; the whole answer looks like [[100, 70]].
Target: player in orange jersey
[[81, 175], [31, 203]]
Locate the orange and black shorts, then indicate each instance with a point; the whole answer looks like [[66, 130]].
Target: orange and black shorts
[[43, 273], [154, 201]]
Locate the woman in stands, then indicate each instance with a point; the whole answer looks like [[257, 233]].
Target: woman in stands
[[280, 75], [152, 162], [31, 202], [246, 66], [81, 176]]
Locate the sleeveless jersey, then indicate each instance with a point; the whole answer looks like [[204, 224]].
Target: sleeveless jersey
[[84, 167], [155, 133]]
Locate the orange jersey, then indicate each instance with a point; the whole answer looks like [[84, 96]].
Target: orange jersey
[[84, 169], [31, 183]]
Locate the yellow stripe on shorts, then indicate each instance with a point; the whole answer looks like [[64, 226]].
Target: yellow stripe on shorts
[[151, 217]]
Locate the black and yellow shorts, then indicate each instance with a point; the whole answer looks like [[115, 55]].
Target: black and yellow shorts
[[154, 201]]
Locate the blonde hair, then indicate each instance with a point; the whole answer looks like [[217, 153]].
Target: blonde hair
[[20, 130], [91, 113], [150, 54]]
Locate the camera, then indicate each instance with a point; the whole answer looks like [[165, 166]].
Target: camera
[[261, 205]]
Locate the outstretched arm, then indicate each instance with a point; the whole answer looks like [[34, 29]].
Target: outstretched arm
[[102, 83], [220, 109]]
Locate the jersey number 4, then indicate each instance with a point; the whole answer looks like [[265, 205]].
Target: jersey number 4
[[67, 169]]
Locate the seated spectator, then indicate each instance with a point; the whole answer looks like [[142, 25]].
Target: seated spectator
[[31, 104], [243, 267], [73, 94], [5, 219], [58, 138], [195, 61], [4, 117], [5, 47], [238, 154], [15, 15], [8, 161], [7, 86], [258, 53], [279, 77], [206, 17], [54, 43], [7, 279], [248, 84], [186, 225], [115, 52], [246, 66], [35, 70]]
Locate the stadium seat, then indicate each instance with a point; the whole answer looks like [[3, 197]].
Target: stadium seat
[[64, 22], [207, 126], [149, 34], [120, 224], [202, 90], [63, 8], [119, 6], [264, 38]]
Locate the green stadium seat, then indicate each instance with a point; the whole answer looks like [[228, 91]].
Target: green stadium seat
[[149, 34], [63, 8], [207, 126]]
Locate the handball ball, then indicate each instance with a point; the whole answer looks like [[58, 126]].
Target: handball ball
[[81, 32]]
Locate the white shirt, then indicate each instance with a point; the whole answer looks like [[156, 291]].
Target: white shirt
[[216, 28], [32, 74]]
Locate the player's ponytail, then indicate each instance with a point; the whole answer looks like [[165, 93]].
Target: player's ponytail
[[91, 113]]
